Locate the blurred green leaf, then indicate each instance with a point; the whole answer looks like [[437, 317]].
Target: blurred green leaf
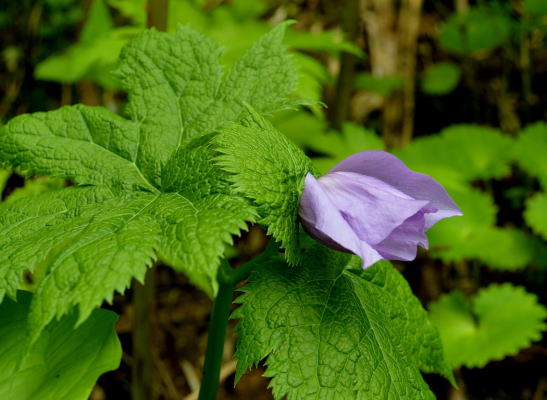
[[441, 78], [246, 9], [299, 126], [327, 41], [453, 239], [536, 7], [95, 60], [531, 149], [312, 77], [499, 321], [480, 28], [340, 145], [63, 363], [98, 23], [382, 85], [135, 10], [475, 236], [469, 151], [506, 248], [535, 214]]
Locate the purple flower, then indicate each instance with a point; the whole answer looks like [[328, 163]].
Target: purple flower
[[372, 205]]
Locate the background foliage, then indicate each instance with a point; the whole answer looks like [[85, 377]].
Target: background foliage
[[460, 99]]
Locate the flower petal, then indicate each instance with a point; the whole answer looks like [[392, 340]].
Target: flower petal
[[322, 220], [389, 169], [403, 241], [372, 208]]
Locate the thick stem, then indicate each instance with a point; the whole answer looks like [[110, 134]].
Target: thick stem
[[227, 278], [217, 334]]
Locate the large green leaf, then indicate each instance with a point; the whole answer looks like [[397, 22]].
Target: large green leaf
[[499, 321], [329, 332], [174, 101], [63, 363], [147, 188], [272, 175]]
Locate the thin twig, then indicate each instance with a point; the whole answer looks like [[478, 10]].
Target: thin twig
[[190, 375], [167, 379]]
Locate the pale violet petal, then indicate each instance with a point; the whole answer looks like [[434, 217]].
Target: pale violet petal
[[371, 207], [323, 221], [389, 169]]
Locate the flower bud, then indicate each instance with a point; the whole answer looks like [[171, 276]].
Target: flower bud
[[373, 206]]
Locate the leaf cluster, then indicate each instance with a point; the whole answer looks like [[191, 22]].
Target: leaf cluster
[[147, 188]]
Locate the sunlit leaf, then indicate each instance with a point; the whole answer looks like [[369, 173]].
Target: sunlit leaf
[[498, 322], [440, 78], [536, 214]]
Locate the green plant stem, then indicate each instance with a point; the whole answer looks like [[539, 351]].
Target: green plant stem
[[227, 278], [217, 333]]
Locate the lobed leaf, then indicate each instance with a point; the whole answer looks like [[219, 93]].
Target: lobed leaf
[[184, 93], [498, 322], [90, 145], [329, 332], [149, 187], [271, 176]]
